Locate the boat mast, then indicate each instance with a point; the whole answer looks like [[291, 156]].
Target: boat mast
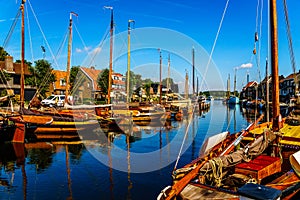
[[168, 79], [197, 93], [267, 90], [110, 54], [193, 59], [22, 84], [160, 72], [228, 86], [69, 57], [234, 88], [274, 64], [186, 85], [128, 61]]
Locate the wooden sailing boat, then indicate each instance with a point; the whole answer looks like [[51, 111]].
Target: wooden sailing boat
[[23, 122], [233, 99], [264, 166], [68, 120]]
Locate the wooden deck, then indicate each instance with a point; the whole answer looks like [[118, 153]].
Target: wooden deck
[[291, 134], [194, 192]]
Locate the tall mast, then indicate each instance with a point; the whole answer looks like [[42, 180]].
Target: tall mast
[[186, 89], [193, 58], [110, 54], [197, 90], [267, 90], [274, 64], [69, 57], [22, 84], [168, 79], [128, 61], [228, 86], [234, 88], [160, 72]]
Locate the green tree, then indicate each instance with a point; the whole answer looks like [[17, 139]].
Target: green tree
[[3, 53], [73, 75], [29, 64], [42, 76], [103, 81], [135, 82], [164, 82], [138, 80], [147, 85]]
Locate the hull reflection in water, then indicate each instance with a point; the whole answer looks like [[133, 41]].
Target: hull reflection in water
[[62, 170]]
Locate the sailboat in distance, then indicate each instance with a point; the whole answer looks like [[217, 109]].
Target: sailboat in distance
[[260, 162], [233, 99]]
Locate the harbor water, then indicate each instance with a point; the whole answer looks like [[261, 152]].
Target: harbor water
[[114, 165]]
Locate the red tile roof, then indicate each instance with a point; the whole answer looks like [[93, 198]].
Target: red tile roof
[[250, 84]]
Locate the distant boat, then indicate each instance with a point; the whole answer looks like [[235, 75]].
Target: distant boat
[[201, 98], [210, 98], [233, 100]]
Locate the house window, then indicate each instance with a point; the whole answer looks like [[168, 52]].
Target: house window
[[88, 85], [62, 82], [116, 78]]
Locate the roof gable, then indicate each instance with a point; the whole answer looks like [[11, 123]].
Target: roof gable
[[92, 74]]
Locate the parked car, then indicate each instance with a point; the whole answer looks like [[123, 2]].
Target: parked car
[[54, 100]]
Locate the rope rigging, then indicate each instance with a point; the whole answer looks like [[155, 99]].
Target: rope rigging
[[258, 35], [291, 50], [11, 30], [79, 81], [215, 42]]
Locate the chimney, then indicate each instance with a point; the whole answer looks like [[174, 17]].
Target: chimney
[[92, 67], [9, 65]]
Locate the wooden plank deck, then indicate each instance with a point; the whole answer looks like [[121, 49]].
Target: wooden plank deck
[[291, 134], [195, 192]]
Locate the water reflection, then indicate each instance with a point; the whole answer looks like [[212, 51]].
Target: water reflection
[[66, 171]]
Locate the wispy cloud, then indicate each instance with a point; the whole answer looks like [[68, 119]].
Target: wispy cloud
[[85, 49], [2, 20], [96, 50], [244, 66]]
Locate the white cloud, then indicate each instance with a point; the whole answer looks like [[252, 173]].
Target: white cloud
[[244, 66], [85, 49], [78, 50]]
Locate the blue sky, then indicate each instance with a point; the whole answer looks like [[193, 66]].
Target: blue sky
[[185, 24]]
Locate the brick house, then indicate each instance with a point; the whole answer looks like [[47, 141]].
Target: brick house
[[249, 90], [13, 85], [86, 86], [59, 86]]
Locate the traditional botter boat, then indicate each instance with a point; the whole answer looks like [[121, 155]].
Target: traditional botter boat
[[262, 162]]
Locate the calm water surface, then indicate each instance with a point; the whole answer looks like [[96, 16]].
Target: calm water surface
[[138, 166]]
